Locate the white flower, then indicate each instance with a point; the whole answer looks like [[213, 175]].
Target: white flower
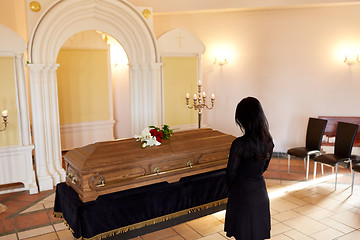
[[152, 141], [147, 138], [146, 133]]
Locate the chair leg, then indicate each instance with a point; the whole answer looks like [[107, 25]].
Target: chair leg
[[315, 169], [352, 183], [307, 167], [336, 167], [288, 163], [322, 169], [332, 169]]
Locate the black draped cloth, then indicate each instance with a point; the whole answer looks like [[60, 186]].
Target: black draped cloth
[[111, 212], [247, 212]]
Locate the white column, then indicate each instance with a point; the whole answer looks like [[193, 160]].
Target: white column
[[157, 90], [48, 123], [145, 88], [25, 136], [136, 96], [38, 126], [24, 121], [55, 123]]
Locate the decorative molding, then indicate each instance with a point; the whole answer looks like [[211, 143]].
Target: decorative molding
[[35, 6], [86, 40], [16, 166], [180, 42], [146, 13], [120, 19]]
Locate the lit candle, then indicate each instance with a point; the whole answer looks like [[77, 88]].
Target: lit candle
[[213, 96], [199, 83], [5, 113], [187, 95], [195, 97], [204, 94]]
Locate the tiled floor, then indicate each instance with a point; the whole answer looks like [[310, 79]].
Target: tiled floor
[[299, 209]]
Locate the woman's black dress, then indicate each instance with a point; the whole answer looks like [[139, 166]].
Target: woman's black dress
[[247, 213]]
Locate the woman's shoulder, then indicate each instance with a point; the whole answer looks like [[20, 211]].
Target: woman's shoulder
[[238, 141]]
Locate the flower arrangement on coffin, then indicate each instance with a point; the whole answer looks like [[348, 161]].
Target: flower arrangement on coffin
[[153, 135]]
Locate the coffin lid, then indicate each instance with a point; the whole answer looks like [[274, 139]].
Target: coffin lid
[[129, 151]]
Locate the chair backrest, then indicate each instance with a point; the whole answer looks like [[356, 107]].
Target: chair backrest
[[315, 132], [345, 137]]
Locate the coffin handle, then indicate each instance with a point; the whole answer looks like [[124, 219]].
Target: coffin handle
[[189, 164], [72, 177], [157, 170], [101, 182]]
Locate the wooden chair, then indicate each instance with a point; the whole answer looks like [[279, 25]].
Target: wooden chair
[[344, 141], [314, 134]]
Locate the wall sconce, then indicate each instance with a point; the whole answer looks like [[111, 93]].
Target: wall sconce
[[352, 60], [221, 60], [4, 117]]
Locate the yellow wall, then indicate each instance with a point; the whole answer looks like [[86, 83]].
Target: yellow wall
[[13, 15], [83, 85], [8, 101], [180, 77]]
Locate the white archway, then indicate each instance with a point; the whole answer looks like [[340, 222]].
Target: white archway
[[59, 22]]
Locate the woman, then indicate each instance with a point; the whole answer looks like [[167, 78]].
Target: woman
[[248, 213]]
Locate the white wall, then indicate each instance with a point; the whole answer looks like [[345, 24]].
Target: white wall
[[291, 59], [121, 89], [122, 109]]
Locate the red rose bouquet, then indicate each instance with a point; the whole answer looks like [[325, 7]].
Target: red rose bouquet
[[153, 135]]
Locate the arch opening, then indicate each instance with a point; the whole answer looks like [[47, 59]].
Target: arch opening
[[58, 23]]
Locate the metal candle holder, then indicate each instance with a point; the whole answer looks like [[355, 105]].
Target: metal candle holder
[[200, 102], [5, 122]]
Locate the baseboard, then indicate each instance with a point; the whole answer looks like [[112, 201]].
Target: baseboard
[[180, 128], [279, 154]]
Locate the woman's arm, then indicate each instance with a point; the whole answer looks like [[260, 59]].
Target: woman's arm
[[269, 155], [233, 163]]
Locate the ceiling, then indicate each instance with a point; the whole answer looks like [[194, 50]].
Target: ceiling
[[173, 6]]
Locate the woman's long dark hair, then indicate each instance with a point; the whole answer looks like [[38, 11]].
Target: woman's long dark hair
[[252, 121]]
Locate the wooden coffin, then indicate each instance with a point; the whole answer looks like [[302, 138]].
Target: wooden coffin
[[107, 167]]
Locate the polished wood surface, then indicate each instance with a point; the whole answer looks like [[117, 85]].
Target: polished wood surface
[[331, 126], [112, 166]]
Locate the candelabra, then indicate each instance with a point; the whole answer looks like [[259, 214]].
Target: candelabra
[[200, 102], [352, 60], [4, 117]]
